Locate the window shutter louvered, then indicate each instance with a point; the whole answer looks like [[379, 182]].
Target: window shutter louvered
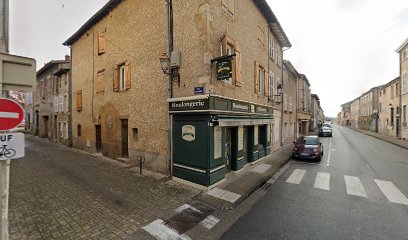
[[79, 100], [116, 79], [128, 75], [256, 80], [238, 78], [101, 43]]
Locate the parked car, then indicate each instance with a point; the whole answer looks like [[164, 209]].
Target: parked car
[[308, 147], [325, 131], [327, 125]]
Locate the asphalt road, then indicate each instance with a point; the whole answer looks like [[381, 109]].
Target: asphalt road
[[358, 191]]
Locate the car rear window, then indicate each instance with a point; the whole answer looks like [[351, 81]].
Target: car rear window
[[308, 140]]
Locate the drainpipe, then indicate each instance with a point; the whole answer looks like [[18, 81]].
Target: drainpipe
[[169, 85], [70, 135], [283, 98]]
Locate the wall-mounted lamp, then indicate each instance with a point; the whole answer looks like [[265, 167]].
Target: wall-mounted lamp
[[171, 67]]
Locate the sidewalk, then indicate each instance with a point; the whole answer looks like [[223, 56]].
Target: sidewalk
[[239, 185], [392, 140]]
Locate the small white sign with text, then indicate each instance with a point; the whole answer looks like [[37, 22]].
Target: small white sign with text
[[12, 146]]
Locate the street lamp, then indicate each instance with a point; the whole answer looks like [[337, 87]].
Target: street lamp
[[165, 62], [390, 105]]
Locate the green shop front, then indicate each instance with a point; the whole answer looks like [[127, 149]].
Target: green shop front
[[213, 135]]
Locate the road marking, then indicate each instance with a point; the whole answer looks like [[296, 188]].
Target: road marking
[[8, 115], [328, 156], [391, 192], [224, 195], [322, 181], [296, 176], [354, 186], [161, 232], [209, 222], [261, 168], [186, 206]]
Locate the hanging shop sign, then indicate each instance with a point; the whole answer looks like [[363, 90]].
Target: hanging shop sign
[[224, 69]]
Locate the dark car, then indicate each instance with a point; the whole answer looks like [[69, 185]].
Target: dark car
[[325, 131], [308, 147]]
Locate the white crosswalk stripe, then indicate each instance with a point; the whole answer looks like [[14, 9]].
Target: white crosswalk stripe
[[297, 176], [322, 181], [354, 186], [391, 192]]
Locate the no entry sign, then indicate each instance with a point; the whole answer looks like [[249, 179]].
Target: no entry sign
[[11, 114]]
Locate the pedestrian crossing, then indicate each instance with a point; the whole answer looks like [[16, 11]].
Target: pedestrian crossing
[[353, 184]]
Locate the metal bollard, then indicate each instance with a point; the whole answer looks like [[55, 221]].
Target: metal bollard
[[141, 161]]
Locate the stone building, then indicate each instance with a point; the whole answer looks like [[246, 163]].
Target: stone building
[[290, 77], [314, 117], [388, 104], [354, 112], [121, 98], [403, 56], [303, 105], [49, 103], [368, 117], [345, 115]]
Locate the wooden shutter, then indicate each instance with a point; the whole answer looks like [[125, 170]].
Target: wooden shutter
[[256, 80], [266, 82], [238, 68], [100, 82], [116, 79], [101, 43], [79, 100], [128, 75]]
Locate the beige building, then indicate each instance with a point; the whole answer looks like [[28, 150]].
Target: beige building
[[315, 121], [388, 103], [303, 105], [354, 112], [51, 105], [368, 117], [120, 94], [403, 56], [289, 128]]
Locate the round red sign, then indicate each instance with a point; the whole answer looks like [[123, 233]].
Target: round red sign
[[11, 114]]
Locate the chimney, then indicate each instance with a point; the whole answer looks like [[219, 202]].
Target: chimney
[[67, 58]]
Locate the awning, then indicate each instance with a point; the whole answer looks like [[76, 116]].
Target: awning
[[233, 121]]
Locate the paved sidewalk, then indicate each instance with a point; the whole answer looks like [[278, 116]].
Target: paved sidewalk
[[395, 141], [62, 193]]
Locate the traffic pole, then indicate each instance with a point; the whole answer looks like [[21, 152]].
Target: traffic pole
[[4, 165]]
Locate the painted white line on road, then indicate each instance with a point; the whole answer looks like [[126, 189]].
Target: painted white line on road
[[296, 176], [224, 195], [354, 186], [322, 181], [185, 206], [161, 232], [8, 115], [209, 222], [230, 197], [391, 192], [261, 168], [328, 156]]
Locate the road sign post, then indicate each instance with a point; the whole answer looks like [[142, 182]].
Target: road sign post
[[11, 115]]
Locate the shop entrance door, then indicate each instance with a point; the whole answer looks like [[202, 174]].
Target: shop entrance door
[[231, 146]]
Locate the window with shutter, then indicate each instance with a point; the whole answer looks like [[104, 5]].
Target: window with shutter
[[101, 43], [261, 80], [271, 84], [61, 104], [128, 79], [116, 78], [100, 82], [79, 100], [122, 77], [66, 103], [256, 77], [266, 82], [56, 104]]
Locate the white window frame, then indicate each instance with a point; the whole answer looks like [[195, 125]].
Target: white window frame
[[290, 104], [271, 47], [66, 103], [122, 77]]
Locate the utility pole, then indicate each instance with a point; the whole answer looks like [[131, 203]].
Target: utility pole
[[170, 87], [4, 165]]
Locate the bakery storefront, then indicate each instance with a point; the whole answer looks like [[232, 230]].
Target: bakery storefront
[[213, 135]]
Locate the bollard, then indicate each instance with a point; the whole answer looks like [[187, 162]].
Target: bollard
[[141, 161]]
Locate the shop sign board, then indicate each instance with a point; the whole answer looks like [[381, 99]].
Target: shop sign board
[[240, 107], [224, 69], [199, 104], [261, 109]]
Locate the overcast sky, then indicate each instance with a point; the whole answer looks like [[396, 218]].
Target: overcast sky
[[344, 47]]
